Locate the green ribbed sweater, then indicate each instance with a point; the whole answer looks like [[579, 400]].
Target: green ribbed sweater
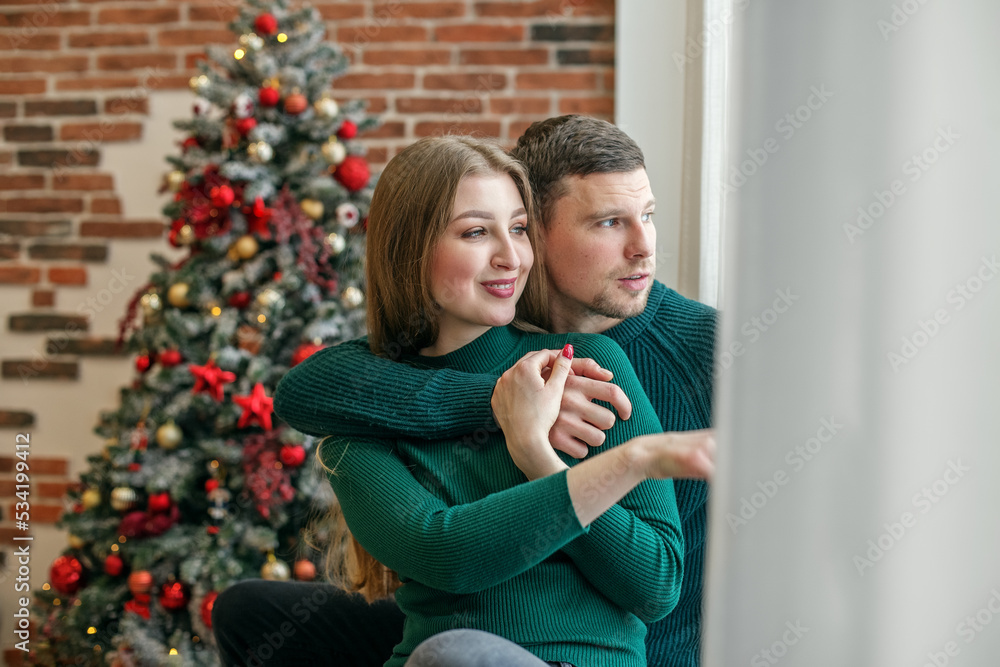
[[348, 391], [478, 546]]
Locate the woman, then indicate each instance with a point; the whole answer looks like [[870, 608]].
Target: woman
[[566, 562]]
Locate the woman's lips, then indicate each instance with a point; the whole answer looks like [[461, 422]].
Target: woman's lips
[[503, 289]]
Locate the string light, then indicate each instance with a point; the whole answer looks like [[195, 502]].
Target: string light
[[216, 311], [91, 630], [282, 37], [262, 318], [114, 547], [239, 54]]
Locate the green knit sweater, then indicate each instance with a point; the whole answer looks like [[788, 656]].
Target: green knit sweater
[[348, 391], [478, 546]]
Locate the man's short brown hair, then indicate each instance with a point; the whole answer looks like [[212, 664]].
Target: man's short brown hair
[[572, 145]]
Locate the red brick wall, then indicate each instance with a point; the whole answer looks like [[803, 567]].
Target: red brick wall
[[77, 76]]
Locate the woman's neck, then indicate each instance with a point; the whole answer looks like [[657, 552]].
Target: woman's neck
[[450, 339]]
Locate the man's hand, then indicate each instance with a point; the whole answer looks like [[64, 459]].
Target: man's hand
[[580, 421]]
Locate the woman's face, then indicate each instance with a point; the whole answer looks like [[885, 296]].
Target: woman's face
[[480, 265]]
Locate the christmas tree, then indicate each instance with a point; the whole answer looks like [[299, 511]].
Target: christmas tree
[[199, 484]]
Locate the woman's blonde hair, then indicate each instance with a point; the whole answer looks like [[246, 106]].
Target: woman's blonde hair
[[410, 210], [411, 207]]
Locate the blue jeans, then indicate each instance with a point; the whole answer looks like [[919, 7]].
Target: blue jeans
[[473, 648]]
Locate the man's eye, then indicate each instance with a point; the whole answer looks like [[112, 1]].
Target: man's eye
[[646, 217], [608, 223]]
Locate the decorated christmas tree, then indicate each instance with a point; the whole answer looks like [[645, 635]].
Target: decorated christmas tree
[[199, 484]]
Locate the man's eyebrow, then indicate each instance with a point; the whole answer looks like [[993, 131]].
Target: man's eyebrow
[[616, 212]]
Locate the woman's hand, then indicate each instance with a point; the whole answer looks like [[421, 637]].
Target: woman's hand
[[678, 455], [526, 405]]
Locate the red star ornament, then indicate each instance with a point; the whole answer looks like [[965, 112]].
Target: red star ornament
[[210, 378], [256, 408]]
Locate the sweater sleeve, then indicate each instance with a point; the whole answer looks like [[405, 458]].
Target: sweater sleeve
[[459, 549], [346, 390], [633, 553]]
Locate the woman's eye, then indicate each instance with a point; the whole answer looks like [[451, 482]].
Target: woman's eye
[[520, 229], [473, 233]]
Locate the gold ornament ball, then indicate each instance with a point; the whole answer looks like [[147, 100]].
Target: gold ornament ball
[[326, 107], [313, 208], [151, 304], [352, 297], [77, 542], [177, 295], [260, 151], [169, 435], [246, 247], [275, 570], [334, 151], [336, 243], [175, 180], [91, 498], [185, 235], [124, 498], [269, 298]]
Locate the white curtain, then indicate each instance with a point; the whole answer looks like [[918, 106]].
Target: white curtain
[[855, 517]]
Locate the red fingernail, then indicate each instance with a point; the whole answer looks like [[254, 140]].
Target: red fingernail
[[568, 351]]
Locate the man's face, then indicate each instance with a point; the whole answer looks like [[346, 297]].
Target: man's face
[[599, 245]]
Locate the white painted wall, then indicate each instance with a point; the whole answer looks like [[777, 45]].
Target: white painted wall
[[649, 107]]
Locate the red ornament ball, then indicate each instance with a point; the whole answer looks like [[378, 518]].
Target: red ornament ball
[[211, 485], [352, 173], [265, 24], [268, 96], [292, 455], [134, 467], [207, 603], [303, 352], [113, 565], [304, 570], [174, 595], [212, 530], [240, 300], [348, 130], [159, 502], [170, 358], [244, 125], [222, 196], [143, 363], [66, 574], [295, 104], [189, 143], [140, 581]]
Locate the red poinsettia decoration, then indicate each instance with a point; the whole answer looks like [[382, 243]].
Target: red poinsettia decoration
[[258, 216], [257, 408], [210, 378], [269, 484]]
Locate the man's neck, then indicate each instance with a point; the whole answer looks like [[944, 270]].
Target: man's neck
[[563, 321]]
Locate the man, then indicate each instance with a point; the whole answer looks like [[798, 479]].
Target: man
[[598, 250]]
